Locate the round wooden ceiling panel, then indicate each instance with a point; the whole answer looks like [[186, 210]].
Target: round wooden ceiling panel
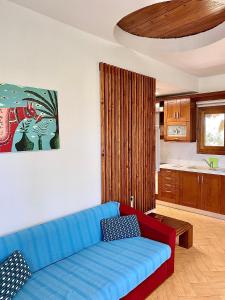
[[175, 18]]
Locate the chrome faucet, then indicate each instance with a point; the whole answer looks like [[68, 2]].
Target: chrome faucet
[[210, 164]]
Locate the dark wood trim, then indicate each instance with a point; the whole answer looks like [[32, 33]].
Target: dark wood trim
[[208, 96], [201, 148], [163, 98], [194, 96]]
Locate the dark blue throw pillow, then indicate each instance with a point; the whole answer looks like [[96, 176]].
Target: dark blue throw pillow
[[14, 272], [118, 228]]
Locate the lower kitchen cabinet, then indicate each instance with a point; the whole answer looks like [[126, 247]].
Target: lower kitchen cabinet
[[210, 192], [222, 195], [169, 186], [190, 189], [197, 190]]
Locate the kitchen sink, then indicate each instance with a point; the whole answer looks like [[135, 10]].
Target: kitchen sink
[[206, 168], [176, 166]]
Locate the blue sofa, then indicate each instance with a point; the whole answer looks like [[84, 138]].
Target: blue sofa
[[69, 260]]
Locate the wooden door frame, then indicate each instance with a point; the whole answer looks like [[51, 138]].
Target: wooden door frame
[[201, 111]]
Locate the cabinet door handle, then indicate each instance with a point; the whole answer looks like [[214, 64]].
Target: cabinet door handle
[[198, 178], [202, 179]]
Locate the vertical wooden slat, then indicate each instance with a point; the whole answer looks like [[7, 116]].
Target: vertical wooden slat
[[147, 146], [113, 126], [142, 140], [124, 139], [103, 130], [108, 132], [115, 136], [122, 165], [134, 134], [118, 174], [137, 150], [137, 145], [145, 133], [128, 136], [153, 143], [149, 141]]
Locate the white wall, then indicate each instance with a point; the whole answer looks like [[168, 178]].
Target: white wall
[[184, 153], [38, 51], [212, 83]]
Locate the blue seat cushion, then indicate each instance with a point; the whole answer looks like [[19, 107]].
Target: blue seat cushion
[[104, 271]]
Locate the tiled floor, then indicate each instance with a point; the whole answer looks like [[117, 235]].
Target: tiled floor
[[199, 271]]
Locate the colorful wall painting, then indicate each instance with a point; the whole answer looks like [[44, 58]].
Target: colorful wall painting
[[28, 119]]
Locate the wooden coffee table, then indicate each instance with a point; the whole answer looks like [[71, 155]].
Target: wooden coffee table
[[183, 229]]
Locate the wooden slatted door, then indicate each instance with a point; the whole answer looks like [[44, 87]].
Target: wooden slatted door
[[127, 137]]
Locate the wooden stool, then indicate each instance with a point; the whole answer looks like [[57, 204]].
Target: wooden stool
[[184, 230]]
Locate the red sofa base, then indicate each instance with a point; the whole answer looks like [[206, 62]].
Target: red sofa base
[[152, 229], [143, 290]]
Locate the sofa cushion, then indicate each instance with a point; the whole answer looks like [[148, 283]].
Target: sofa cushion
[[105, 271], [47, 243], [120, 228]]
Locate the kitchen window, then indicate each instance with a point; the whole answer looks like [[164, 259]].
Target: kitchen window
[[210, 131]]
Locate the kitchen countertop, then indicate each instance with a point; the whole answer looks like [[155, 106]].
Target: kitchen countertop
[[193, 168]]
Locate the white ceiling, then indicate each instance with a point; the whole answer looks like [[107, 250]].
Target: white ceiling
[[100, 17]]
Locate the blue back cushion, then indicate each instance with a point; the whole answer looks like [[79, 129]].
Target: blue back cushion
[[47, 243]]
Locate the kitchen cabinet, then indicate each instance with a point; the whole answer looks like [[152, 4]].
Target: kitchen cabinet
[[200, 191], [177, 110], [168, 186], [210, 192], [171, 110], [222, 195], [177, 131], [184, 111], [180, 120], [192, 189]]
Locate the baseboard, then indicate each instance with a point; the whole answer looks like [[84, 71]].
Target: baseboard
[[193, 210]]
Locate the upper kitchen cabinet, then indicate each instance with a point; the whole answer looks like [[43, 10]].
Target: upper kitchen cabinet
[[171, 110], [177, 110], [180, 120], [184, 111]]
